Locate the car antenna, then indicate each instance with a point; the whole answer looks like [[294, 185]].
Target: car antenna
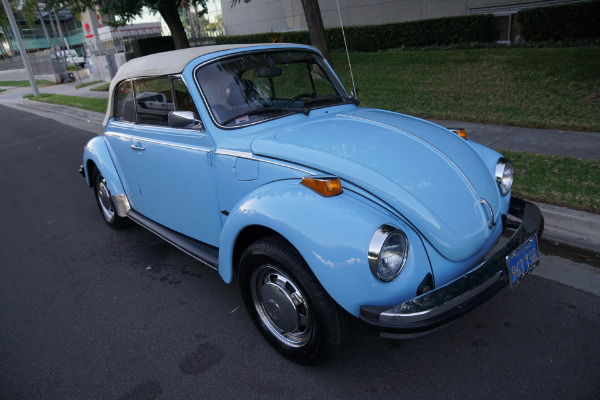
[[354, 93]]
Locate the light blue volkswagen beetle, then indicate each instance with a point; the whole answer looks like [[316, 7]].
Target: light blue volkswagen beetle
[[254, 160]]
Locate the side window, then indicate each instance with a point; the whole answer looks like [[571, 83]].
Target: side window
[[124, 107], [183, 98], [154, 100]]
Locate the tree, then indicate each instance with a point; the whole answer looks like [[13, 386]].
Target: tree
[[126, 10], [314, 21]]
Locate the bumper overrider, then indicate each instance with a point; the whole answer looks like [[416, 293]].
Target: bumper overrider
[[438, 307]]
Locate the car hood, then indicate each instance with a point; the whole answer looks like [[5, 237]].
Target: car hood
[[434, 178]]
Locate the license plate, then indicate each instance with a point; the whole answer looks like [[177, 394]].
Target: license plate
[[522, 261]]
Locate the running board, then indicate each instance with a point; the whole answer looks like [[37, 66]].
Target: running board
[[202, 252]]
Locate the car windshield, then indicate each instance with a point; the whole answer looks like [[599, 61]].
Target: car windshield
[[255, 87]]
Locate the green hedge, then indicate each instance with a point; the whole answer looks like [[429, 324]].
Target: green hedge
[[371, 38], [151, 45], [572, 21]]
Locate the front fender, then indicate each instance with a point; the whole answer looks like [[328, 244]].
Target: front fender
[[332, 235], [96, 151]]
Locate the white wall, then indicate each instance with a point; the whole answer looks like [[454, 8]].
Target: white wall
[[261, 16]]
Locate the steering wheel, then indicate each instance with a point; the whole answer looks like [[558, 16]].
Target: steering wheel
[[297, 97]]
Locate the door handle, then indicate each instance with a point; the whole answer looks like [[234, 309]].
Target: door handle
[[134, 147]]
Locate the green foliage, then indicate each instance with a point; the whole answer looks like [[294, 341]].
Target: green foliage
[[25, 83], [87, 103], [572, 21], [510, 86], [82, 85], [151, 45], [101, 88], [370, 38], [562, 181]]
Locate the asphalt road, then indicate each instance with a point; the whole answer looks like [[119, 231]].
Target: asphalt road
[[91, 313]]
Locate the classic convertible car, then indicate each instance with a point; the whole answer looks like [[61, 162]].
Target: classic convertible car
[[265, 167]]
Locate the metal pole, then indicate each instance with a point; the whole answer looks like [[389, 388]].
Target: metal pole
[[39, 13], [17, 33]]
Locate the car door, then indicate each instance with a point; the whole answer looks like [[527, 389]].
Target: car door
[[174, 167], [119, 135]]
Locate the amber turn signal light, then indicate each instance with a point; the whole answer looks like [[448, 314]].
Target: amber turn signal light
[[459, 131], [325, 185]]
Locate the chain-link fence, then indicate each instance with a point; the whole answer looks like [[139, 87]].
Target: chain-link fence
[[42, 63]]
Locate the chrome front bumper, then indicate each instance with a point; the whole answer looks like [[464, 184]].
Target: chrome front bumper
[[431, 310]]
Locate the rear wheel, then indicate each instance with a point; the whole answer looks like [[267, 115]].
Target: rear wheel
[[287, 303], [105, 203]]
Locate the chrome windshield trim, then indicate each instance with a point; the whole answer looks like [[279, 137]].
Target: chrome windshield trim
[[418, 138], [297, 47]]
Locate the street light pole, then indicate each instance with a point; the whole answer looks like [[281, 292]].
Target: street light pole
[[17, 34]]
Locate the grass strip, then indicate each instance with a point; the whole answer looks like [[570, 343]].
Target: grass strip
[[552, 88], [101, 88], [87, 103], [82, 85], [562, 181], [24, 83]]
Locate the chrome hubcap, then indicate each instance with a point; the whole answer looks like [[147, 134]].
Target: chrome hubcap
[[281, 306], [104, 200]]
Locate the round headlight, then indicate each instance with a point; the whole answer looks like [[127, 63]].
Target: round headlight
[[505, 172], [387, 252]]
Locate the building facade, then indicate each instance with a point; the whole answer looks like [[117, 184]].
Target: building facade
[[260, 16]]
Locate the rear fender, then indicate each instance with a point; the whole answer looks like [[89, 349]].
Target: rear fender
[[332, 235]]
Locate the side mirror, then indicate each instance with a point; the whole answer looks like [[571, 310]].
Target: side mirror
[[184, 119]]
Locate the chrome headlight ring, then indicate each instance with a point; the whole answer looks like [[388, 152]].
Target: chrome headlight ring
[[388, 251], [505, 172]]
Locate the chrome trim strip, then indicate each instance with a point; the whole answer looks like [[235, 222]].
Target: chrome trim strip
[[490, 221], [418, 138], [169, 144], [250, 156], [234, 153]]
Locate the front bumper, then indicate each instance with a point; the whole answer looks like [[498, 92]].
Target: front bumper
[[438, 307]]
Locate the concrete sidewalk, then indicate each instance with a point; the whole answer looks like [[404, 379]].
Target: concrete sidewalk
[[575, 228]]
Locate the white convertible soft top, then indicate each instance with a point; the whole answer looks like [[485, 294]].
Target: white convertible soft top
[[167, 63]]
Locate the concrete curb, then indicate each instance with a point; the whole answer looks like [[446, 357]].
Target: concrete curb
[[575, 228], [89, 116]]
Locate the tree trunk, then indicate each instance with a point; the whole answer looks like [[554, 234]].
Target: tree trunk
[[168, 10], [198, 24], [192, 28], [316, 30]]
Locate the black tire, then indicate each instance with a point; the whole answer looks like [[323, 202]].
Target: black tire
[[287, 303], [105, 204]]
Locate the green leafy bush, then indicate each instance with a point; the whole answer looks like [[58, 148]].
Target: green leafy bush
[[371, 38], [571, 21]]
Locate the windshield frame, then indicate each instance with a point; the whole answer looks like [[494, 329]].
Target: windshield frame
[[336, 84]]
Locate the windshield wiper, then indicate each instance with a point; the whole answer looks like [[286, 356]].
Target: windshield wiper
[[329, 98], [267, 110]]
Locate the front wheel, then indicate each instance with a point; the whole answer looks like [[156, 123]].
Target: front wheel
[[105, 203], [287, 303]]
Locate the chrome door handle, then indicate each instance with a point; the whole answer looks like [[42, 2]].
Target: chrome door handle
[[134, 147]]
